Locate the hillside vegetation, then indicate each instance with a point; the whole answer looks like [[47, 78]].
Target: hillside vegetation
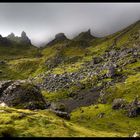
[[94, 83]]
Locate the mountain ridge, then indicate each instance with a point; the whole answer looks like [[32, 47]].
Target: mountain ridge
[[86, 82]]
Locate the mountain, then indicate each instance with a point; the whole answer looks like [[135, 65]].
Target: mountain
[[4, 41], [17, 47], [84, 36], [89, 86], [24, 40], [60, 37]]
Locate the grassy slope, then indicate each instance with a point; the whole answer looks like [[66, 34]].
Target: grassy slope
[[25, 123], [114, 122], [23, 63]]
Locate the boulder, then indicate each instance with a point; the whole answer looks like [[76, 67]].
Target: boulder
[[21, 94], [133, 109], [111, 71], [97, 60], [62, 114], [60, 110], [56, 106], [4, 85], [118, 103]]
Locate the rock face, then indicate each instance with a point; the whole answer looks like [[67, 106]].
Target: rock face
[[25, 39], [11, 36], [21, 95], [58, 37], [4, 85], [4, 41], [84, 36]]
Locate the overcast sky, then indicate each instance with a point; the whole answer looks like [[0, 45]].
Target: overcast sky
[[41, 21]]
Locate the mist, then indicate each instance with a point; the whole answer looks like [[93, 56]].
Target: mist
[[41, 21]]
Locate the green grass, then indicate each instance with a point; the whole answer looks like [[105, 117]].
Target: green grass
[[67, 68], [41, 123], [114, 122], [127, 90], [15, 52], [23, 62]]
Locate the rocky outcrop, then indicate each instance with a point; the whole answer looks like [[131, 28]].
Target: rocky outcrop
[[58, 106], [84, 36], [21, 94], [4, 41], [118, 103], [11, 36], [4, 85], [58, 38], [108, 65], [62, 114], [54, 61], [24, 39], [60, 110], [133, 108]]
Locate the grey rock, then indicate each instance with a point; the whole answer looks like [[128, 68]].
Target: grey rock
[[22, 95], [118, 103], [133, 109]]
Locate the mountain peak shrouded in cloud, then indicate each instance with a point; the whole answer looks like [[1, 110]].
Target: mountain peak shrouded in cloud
[[85, 36], [43, 20], [58, 38], [11, 36], [4, 41], [23, 39]]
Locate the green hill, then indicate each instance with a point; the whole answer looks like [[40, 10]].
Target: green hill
[[97, 81]]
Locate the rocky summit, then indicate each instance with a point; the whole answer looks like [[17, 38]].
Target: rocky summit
[[24, 40], [86, 36], [58, 38], [86, 86]]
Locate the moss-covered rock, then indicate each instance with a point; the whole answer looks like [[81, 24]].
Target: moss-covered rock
[[22, 94]]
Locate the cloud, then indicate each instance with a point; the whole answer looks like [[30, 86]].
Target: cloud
[[41, 21]]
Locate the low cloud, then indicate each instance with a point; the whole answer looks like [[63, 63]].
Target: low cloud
[[41, 21]]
